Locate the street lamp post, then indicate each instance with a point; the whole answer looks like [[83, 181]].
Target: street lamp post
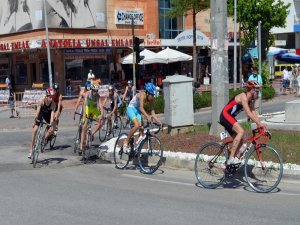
[[235, 48], [48, 46]]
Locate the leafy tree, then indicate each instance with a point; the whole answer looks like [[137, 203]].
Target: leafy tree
[[183, 7], [271, 13]]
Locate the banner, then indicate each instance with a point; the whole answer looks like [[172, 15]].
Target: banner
[[24, 15], [32, 96], [4, 95]]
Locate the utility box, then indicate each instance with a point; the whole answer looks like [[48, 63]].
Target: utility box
[[292, 109], [178, 97]]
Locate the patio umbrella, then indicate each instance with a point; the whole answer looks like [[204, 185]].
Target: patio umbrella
[[150, 57], [289, 57], [273, 51], [169, 55]]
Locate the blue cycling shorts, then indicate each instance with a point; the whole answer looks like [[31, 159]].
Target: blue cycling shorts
[[133, 113]]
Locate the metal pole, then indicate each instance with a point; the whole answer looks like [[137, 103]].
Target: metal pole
[[48, 46], [219, 62], [133, 55], [235, 49], [259, 61]]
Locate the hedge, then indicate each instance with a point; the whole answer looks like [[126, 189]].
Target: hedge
[[204, 100]]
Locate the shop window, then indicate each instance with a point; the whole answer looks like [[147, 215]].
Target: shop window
[[21, 73], [45, 72]]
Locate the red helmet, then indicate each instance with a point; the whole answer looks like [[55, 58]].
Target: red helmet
[[50, 92], [252, 85]]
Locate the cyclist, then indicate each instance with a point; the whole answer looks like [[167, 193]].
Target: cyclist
[[243, 101], [57, 98], [115, 102], [92, 108], [129, 91], [81, 97], [135, 110], [45, 110]]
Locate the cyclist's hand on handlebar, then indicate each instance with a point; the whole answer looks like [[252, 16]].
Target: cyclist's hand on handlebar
[[149, 118]]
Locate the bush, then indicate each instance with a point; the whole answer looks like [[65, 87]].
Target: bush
[[159, 105], [268, 92], [202, 100]]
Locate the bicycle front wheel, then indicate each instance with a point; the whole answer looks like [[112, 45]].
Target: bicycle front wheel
[[121, 158], [150, 154], [52, 141], [88, 145], [103, 130], [36, 147], [263, 169], [117, 126], [77, 140], [210, 165]]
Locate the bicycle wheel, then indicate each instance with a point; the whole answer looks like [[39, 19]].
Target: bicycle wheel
[[77, 140], [88, 145], [121, 158], [43, 141], [117, 126], [104, 130], [126, 120], [52, 141], [150, 154], [36, 147], [210, 165], [263, 169]]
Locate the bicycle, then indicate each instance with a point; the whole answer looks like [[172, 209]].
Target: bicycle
[[37, 145], [262, 163], [107, 129], [78, 135], [88, 141], [149, 151]]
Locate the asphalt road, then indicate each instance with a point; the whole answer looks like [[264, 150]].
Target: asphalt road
[[62, 190]]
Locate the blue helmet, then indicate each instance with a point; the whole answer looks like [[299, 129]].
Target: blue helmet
[[150, 88], [87, 85]]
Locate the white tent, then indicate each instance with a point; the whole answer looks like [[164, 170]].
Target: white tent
[[170, 55], [150, 57]]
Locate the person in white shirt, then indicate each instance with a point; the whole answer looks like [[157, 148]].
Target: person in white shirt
[[285, 79], [90, 75]]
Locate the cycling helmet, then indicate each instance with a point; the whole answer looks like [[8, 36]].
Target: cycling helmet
[[250, 85], [129, 81], [111, 88], [150, 88], [94, 87], [55, 86], [49, 92], [87, 85]]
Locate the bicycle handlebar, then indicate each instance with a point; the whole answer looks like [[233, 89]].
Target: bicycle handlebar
[[43, 122], [153, 123], [76, 113]]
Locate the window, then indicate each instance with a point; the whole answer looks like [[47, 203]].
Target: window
[[169, 28], [45, 72], [21, 73]]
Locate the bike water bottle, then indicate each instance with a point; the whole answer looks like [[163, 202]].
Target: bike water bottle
[[241, 150]]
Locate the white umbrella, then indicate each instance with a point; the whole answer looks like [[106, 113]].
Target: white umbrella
[[150, 57], [170, 55]]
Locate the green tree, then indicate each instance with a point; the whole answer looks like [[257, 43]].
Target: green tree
[[183, 7], [271, 13]]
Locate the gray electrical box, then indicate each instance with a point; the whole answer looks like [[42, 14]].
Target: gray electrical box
[[178, 97]]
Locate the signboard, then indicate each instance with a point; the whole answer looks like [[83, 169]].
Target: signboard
[[206, 81], [4, 95], [124, 17], [32, 96], [185, 38], [103, 91], [280, 42]]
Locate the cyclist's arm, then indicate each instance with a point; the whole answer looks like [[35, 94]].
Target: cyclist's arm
[[53, 106], [78, 101], [100, 105], [153, 114], [84, 104], [133, 90], [142, 110], [59, 106], [38, 110], [115, 103], [125, 93], [249, 111]]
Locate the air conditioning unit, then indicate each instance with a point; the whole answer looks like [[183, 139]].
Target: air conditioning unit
[[150, 36]]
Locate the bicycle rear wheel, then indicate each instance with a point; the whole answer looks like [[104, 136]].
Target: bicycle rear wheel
[[210, 165], [263, 169], [104, 130], [117, 126], [150, 154], [121, 158]]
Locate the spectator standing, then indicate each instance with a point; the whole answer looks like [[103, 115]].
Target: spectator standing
[[90, 75], [298, 81], [68, 87], [256, 77], [285, 79], [11, 100]]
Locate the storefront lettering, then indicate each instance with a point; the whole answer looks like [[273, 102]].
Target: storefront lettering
[[4, 47], [19, 45]]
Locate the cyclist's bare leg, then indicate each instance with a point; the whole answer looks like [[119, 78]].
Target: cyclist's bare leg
[[137, 125], [98, 127], [51, 130], [34, 132], [236, 139], [83, 134]]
